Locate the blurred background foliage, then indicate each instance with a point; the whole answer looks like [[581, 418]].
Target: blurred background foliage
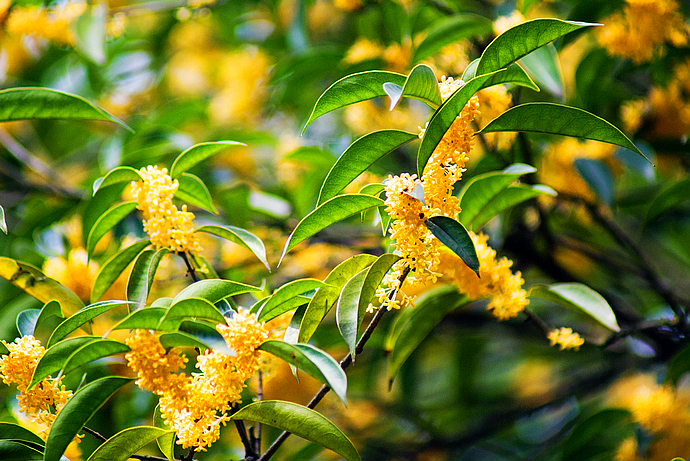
[[183, 72]]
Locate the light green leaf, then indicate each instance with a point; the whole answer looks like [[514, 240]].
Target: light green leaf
[[444, 117], [194, 308], [102, 200], [454, 235], [80, 318], [451, 30], [421, 84], [372, 189], [90, 29], [522, 39], [17, 451], [271, 308], [542, 64], [96, 349], [119, 175], [241, 237], [3, 223], [578, 297], [10, 431], [314, 362], [514, 74], [142, 275], [126, 442], [107, 221], [34, 282], [166, 443], [545, 117], [44, 103], [300, 421], [347, 311], [427, 312], [198, 153], [351, 89], [506, 199], [111, 270], [192, 190], [56, 356], [329, 212], [359, 156], [213, 290], [375, 275], [26, 321], [147, 318], [50, 309]]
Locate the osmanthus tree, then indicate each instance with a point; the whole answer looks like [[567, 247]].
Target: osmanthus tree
[[196, 349]]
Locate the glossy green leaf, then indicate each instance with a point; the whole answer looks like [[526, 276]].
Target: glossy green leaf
[[545, 117], [3, 223], [372, 189], [75, 321], [375, 275], [178, 339], [329, 212], [10, 431], [358, 157], [55, 357], [142, 275], [351, 89], [207, 334], [166, 443], [147, 318], [313, 361], [271, 308], [427, 312], [96, 349], [514, 74], [451, 30], [90, 30], [326, 296], [34, 282], [126, 442], [107, 221], [578, 297], [44, 103], [520, 40], [111, 270], [444, 117], [213, 290], [102, 200], [194, 308], [300, 421], [119, 175], [543, 66], [347, 311], [506, 199], [192, 190], [454, 235], [420, 84], [50, 309], [198, 153], [17, 451], [26, 321], [241, 237], [162, 302], [668, 199], [598, 436]]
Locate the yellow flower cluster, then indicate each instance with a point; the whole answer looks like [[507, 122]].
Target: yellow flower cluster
[[196, 406], [642, 28], [565, 338], [167, 226], [45, 399], [52, 24]]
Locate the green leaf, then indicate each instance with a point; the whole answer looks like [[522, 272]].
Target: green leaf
[[514, 74], [444, 117], [147, 318], [329, 212], [3, 349], [213, 290], [96, 349], [119, 175], [50, 309], [192, 190], [142, 275], [542, 64], [3, 223], [126, 442], [26, 321], [375, 276], [44, 103], [359, 156], [198, 153], [56, 356], [678, 366], [597, 435], [206, 334], [102, 200], [451, 30], [111, 270], [241, 237], [454, 235], [549, 118], [314, 362], [10, 431], [194, 308], [90, 29], [421, 84], [80, 318], [326, 296], [178, 339], [166, 443], [17, 451], [506, 199], [351, 89], [272, 308], [427, 312], [300, 421], [372, 189], [669, 199], [578, 297], [347, 311], [34, 282], [521, 40], [107, 221]]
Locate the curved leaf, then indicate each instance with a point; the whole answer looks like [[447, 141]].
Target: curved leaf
[[166, 443], [96, 349], [302, 422], [145, 319], [121, 174], [10, 431], [142, 275], [668, 199], [347, 311], [549, 118], [359, 156], [454, 235], [126, 442], [111, 270], [191, 189], [56, 356], [597, 437], [80, 318], [578, 297], [3, 223], [514, 74], [16, 451], [30, 279], [102, 200], [44, 103], [678, 366], [107, 221], [197, 308], [375, 275], [213, 290], [50, 309], [522, 39], [26, 321], [506, 199], [198, 153], [421, 84], [288, 291], [451, 30], [241, 237], [542, 64], [313, 361], [329, 212], [178, 339], [207, 334]]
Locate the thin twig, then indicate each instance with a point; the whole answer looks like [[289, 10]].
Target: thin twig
[[95, 434], [259, 397], [542, 325], [190, 270]]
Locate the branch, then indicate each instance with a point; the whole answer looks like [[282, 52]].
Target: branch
[[190, 270]]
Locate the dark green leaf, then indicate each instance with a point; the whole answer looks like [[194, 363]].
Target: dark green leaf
[[421, 84], [147, 318], [347, 311], [10, 431], [192, 190], [670, 198], [194, 308], [288, 291], [142, 275], [454, 235], [678, 366], [451, 30], [107, 221], [198, 153], [96, 349], [178, 339], [50, 309], [55, 357], [506, 199], [600, 434], [113, 268], [126, 442], [166, 443], [3, 349], [17, 451], [26, 321], [241, 237], [80, 318], [578, 297], [213, 290]]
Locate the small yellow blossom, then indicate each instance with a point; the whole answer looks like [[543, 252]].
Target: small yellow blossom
[[52, 24], [362, 50], [451, 59], [397, 56], [565, 338], [348, 5]]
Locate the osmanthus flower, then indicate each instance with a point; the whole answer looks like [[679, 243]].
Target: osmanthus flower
[[52, 24], [565, 338]]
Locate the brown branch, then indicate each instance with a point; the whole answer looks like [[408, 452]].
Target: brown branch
[[190, 269]]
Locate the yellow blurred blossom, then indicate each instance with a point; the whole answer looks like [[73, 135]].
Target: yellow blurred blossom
[[371, 115], [52, 24], [76, 273], [670, 112], [632, 114], [503, 23], [565, 338], [362, 50], [534, 382], [493, 101], [451, 59], [4, 8], [397, 56], [348, 5], [627, 451]]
